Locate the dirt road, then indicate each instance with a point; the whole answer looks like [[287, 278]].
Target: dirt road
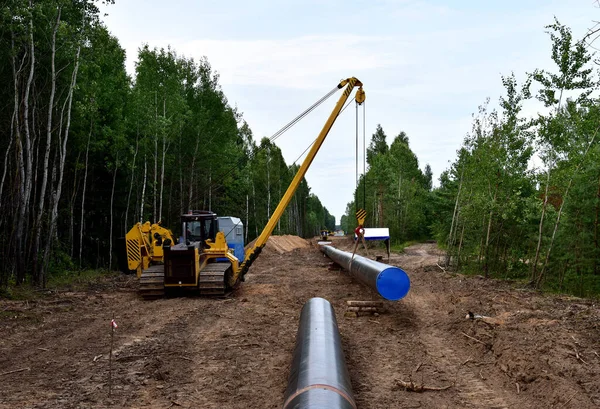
[[533, 351]]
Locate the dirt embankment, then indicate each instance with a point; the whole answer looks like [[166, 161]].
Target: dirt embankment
[[283, 244], [528, 350]]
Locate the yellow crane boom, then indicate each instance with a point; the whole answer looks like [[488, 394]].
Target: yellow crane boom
[[253, 253]]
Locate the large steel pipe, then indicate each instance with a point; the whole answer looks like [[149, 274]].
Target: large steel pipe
[[391, 282], [318, 376]]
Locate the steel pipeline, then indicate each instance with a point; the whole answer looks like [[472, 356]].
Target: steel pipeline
[[318, 376], [391, 282]]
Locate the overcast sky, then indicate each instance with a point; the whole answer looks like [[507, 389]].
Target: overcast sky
[[426, 65]]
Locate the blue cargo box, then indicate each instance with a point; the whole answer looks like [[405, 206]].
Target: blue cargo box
[[233, 229]]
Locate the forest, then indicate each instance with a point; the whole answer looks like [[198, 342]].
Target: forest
[[88, 150], [522, 198]]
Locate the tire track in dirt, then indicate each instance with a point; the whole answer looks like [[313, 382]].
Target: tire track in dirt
[[450, 358], [74, 343], [234, 353], [449, 355]]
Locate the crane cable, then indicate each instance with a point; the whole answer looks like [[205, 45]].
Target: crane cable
[[313, 142], [305, 150], [216, 186], [363, 153], [359, 231], [356, 154], [302, 115]]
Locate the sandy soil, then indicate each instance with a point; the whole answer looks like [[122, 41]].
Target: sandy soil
[[534, 351]]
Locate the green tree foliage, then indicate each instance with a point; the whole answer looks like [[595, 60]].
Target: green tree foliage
[[499, 216], [45, 47], [394, 192], [87, 151], [378, 145]]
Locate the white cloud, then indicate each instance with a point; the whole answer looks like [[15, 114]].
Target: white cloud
[[426, 65], [301, 62]]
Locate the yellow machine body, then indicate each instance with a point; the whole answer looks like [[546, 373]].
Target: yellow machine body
[[144, 244], [217, 249], [205, 260]]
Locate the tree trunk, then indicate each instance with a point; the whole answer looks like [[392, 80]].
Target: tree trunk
[[155, 156], [15, 133], [131, 183], [112, 199], [578, 241], [193, 167], [181, 186], [25, 164], [454, 221], [42, 199], [72, 209], [405, 213], [462, 235], [381, 215], [481, 242], [597, 252], [34, 165], [398, 201], [210, 189], [6, 158], [14, 123], [299, 219], [54, 162], [374, 212], [247, 210], [279, 221], [290, 219], [487, 236], [486, 256], [254, 208], [162, 180], [143, 189], [63, 154], [534, 277], [564, 199], [85, 173], [268, 184], [162, 166], [562, 275], [540, 277], [6, 155]]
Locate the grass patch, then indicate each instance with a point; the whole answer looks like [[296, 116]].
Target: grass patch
[[80, 280], [586, 286], [84, 280], [399, 247], [19, 292]]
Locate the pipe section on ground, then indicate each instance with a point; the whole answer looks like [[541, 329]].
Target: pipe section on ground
[[391, 282], [318, 376]]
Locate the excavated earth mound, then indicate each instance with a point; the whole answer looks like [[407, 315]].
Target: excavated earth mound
[[282, 244]]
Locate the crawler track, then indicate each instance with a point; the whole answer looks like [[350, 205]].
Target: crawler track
[[213, 278], [152, 282]]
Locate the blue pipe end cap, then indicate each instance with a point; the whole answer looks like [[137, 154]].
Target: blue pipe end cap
[[393, 283]]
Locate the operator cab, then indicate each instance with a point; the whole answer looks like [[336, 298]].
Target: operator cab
[[199, 226]]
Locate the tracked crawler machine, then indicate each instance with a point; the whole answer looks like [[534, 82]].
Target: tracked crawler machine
[[209, 257], [142, 247]]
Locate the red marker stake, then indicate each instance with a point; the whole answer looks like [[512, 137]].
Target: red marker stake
[[113, 325]]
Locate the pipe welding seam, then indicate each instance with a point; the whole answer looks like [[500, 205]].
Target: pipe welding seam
[[318, 375]]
